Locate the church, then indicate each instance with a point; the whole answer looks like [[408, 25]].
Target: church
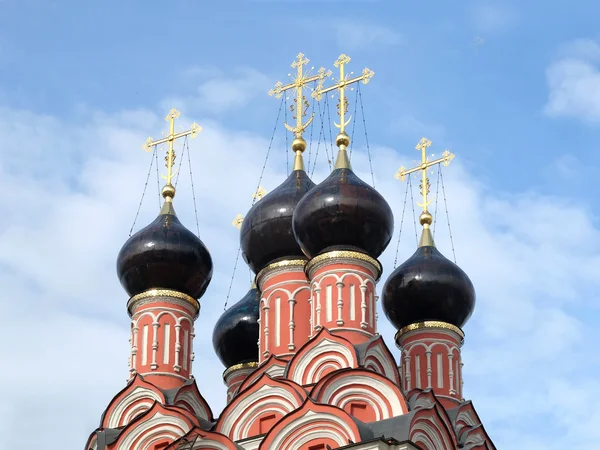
[[305, 367]]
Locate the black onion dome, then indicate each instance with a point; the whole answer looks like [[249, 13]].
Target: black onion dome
[[235, 335], [266, 234], [343, 212], [428, 287], [165, 255]]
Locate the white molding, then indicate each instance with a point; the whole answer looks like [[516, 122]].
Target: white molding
[[318, 355], [118, 417], [310, 427], [159, 425]]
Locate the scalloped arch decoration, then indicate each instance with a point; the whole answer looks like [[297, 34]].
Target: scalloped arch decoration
[[156, 425], [189, 397], [325, 355], [135, 402], [381, 398], [273, 366], [315, 425], [428, 429], [379, 359], [269, 397]]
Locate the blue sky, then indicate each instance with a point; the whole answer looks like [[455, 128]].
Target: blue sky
[[513, 89]]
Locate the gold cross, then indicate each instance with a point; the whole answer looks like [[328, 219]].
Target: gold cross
[[341, 85], [298, 84], [259, 194], [170, 158], [423, 144]]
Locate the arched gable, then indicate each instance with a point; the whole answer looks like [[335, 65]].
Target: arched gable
[[190, 398], [431, 428], [468, 428], [158, 424], [378, 358], [274, 366], [135, 399], [426, 399], [198, 439], [255, 410], [323, 354], [365, 395], [313, 424]]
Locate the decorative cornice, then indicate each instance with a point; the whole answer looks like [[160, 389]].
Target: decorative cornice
[[429, 324], [342, 256], [236, 367], [291, 263], [152, 293]]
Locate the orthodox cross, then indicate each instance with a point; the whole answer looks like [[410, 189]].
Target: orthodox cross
[[298, 83], [423, 144], [343, 82], [170, 158], [260, 193]]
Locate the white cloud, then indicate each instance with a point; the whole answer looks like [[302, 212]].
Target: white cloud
[[574, 83], [218, 93], [358, 35], [74, 191]]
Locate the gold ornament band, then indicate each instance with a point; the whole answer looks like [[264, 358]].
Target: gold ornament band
[[246, 365], [344, 254], [164, 293], [429, 324], [278, 265]]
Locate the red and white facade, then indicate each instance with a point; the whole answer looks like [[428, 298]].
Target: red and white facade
[[325, 379]]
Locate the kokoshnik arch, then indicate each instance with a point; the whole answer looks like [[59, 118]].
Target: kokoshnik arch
[[305, 366]]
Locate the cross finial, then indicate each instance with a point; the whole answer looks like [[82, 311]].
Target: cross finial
[[343, 82], [299, 82], [169, 189], [425, 218]]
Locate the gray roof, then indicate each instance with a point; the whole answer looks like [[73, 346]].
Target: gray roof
[[395, 427]]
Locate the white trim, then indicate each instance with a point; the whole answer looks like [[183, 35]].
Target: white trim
[[277, 312], [167, 343], [157, 425], [292, 325], [440, 372], [340, 303], [303, 432], [329, 302], [145, 345], [117, 418], [317, 356], [177, 366], [352, 302]]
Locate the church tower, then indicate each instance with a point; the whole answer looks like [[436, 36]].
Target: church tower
[[305, 367]]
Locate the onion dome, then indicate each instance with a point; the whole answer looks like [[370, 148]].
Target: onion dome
[[165, 255], [428, 287], [266, 234], [235, 335], [343, 212]]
